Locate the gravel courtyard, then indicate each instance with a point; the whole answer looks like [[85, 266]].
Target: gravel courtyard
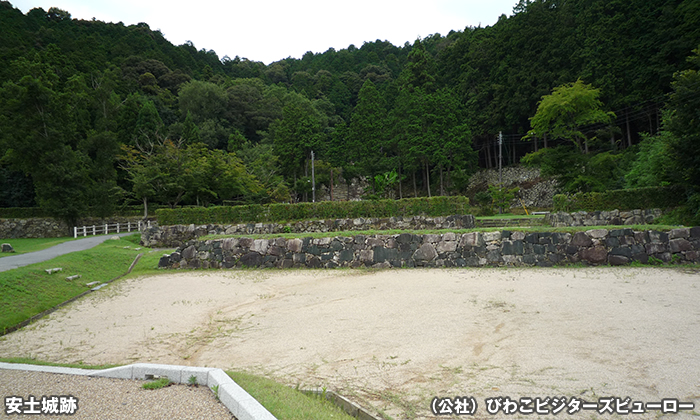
[[392, 340]]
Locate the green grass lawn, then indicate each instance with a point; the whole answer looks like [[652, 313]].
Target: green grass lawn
[[22, 246], [27, 291], [287, 403], [510, 216]]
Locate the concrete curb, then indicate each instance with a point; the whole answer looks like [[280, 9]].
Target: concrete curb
[[346, 405], [235, 398]]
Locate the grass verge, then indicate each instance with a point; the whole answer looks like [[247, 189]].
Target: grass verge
[[287, 403], [28, 291], [24, 245]]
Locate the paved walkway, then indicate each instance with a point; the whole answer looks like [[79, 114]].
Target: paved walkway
[[16, 261]]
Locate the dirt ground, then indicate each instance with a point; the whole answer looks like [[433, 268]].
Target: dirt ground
[[392, 340]]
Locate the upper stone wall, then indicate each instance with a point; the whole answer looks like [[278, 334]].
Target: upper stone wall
[[174, 236]]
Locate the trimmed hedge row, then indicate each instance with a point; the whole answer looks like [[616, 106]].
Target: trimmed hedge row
[[636, 198], [21, 212], [276, 213], [32, 212]]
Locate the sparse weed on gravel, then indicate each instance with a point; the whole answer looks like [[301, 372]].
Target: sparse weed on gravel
[[157, 384]]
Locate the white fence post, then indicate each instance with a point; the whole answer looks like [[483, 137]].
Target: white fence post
[[117, 227], [128, 225], [75, 232], [93, 230]]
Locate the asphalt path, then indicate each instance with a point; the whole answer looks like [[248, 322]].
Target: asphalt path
[[16, 261]]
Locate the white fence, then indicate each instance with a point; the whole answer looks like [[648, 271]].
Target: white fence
[[109, 228]]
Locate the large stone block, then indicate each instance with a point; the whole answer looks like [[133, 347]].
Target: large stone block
[[618, 260], [656, 248], [295, 245], [382, 254], [189, 252], [251, 259], [596, 255], [512, 248], [679, 245], [425, 253], [471, 239], [492, 236], [367, 256], [245, 242], [580, 239], [446, 246], [679, 233], [260, 246], [597, 233]]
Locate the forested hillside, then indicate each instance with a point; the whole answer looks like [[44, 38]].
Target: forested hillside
[[95, 115]]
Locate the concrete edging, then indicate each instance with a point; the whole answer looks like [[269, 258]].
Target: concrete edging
[[236, 399]]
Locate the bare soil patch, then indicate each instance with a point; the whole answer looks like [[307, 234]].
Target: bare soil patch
[[392, 340]]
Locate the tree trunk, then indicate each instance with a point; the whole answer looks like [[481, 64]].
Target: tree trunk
[[331, 183], [495, 153], [488, 156], [629, 133], [449, 180], [400, 191], [535, 140], [545, 140], [415, 189], [145, 207], [427, 177], [612, 141], [442, 184]]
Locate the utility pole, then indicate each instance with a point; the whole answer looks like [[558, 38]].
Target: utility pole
[[500, 159], [313, 178], [500, 156]]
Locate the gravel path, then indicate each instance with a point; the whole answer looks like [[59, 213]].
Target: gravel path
[[112, 399]]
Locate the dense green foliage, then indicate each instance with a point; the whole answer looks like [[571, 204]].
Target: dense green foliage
[[628, 199], [96, 115], [255, 213]]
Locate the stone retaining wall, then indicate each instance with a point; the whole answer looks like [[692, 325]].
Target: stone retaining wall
[[603, 218], [174, 236], [475, 249], [49, 227]]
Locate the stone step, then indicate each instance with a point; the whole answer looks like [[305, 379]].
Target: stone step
[[488, 223]]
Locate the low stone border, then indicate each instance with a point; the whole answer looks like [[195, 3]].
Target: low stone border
[[346, 405], [235, 398], [474, 249]]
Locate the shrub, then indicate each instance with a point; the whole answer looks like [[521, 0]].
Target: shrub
[[636, 198]]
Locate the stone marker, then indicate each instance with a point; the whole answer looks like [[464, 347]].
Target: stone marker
[[71, 278], [53, 270], [92, 283], [7, 248], [114, 238]]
